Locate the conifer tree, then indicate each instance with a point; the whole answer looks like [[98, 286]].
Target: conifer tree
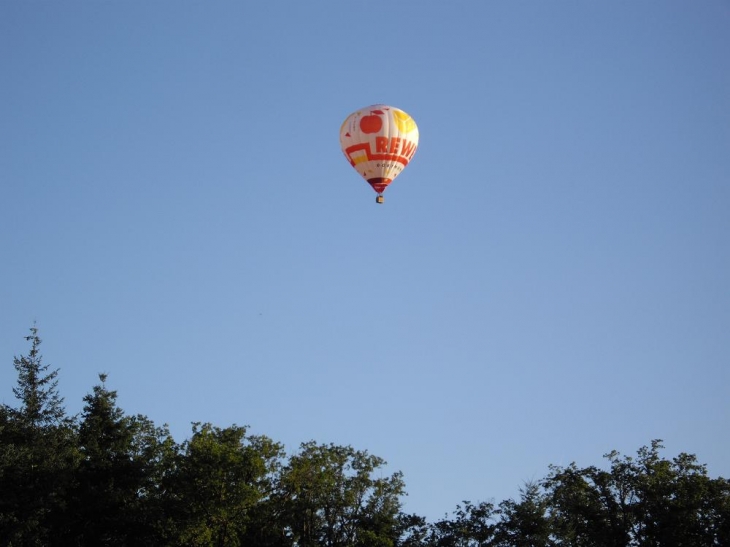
[[106, 504], [37, 453]]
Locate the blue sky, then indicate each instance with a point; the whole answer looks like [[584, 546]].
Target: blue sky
[[548, 280]]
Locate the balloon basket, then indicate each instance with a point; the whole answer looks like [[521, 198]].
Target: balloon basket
[[379, 199]]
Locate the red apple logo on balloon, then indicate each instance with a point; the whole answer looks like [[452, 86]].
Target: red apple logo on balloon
[[372, 123]]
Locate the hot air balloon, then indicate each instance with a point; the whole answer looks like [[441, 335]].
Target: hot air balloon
[[379, 141]]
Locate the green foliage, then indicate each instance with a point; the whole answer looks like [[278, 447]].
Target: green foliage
[[329, 497], [37, 389], [107, 478], [37, 454], [471, 526], [412, 530], [112, 497], [219, 477], [647, 501], [524, 523]]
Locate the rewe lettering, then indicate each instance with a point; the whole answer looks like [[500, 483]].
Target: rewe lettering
[[395, 146]]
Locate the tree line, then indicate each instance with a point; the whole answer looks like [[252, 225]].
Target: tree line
[[105, 478]]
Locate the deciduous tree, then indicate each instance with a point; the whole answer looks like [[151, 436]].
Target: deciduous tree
[[220, 477], [647, 501], [524, 523], [331, 497]]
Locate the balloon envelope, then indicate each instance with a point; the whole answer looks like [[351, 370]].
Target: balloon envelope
[[379, 141]]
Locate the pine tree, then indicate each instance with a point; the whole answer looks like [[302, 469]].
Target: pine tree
[[37, 454], [37, 389], [106, 507]]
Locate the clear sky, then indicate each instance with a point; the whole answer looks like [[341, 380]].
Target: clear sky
[[548, 280]]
